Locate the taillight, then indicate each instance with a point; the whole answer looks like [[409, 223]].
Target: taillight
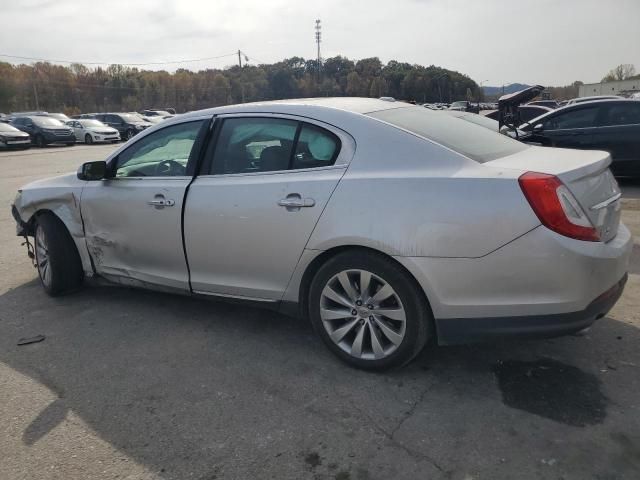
[[556, 207]]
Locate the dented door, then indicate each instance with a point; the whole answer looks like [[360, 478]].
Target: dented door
[[133, 221], [132, 241]]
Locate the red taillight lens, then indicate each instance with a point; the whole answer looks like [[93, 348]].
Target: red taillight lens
[[556, 207]]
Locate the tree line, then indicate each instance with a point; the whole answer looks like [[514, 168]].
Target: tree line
[[77, 88]]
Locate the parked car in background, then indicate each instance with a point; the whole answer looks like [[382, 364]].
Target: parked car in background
[[153, 120], [591, 99], [4, 118], [610, 125], [45, 130], [465, 106], [59, 116], [545, 103], [155, 113], [525, 113], [90, 130], [127, 124], [11, 137], [432, 228]]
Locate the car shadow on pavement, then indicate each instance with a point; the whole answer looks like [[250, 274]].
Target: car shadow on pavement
[[191, 388]]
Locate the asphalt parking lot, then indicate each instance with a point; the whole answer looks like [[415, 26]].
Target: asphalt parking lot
[[131, 384]]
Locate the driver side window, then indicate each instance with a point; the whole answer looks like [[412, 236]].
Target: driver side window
[[164, 153]]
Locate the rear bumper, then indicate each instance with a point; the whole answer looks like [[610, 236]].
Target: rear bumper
[[469, 330], [541, 283]]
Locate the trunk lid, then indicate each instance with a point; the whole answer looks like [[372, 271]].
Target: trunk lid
[[585, 173]]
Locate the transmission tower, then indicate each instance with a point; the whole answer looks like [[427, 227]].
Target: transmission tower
[[318, 40]]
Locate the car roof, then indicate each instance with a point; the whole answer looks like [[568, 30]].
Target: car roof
[[306, 105]]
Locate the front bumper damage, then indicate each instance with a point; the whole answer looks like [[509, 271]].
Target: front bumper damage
[[22, 228]]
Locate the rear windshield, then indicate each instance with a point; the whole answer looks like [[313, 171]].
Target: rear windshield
[[468, 139]]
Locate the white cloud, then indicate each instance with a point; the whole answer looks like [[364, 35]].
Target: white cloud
[[547, 41]]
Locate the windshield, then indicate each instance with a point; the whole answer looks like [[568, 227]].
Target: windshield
[[130, 117], [47, 122], [471, 140], [91, 123], [59, 116]]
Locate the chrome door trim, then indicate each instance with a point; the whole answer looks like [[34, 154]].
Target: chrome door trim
[[235, 297]]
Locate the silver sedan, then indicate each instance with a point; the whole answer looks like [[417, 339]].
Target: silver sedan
[[385, 224]]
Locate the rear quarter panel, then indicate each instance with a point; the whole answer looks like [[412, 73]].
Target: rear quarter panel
[[406, 196]]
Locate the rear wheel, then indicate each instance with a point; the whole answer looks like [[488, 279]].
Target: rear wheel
[[57, 259], [369, 311], [88, 139]]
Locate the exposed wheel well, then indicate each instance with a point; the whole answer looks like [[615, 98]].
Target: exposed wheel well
[[316, 263]]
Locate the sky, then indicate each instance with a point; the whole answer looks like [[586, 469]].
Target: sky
[[496, 42]]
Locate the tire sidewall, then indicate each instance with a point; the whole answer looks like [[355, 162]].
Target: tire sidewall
[[88, 139], [64, 260], [418, 316]]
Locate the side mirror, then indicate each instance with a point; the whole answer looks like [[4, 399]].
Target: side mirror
[[92, 171], [538, 127]]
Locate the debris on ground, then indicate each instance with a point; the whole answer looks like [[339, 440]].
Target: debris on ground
[[29, 340]]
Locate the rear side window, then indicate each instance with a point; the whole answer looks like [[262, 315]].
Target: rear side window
[[622, 114], [316, 147], [258, 145], [466, 138], [579, 118], [249, 145]]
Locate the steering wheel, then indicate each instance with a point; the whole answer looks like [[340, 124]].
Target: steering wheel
[[169, 168]]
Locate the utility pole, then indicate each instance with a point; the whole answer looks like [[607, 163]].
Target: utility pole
[[239, 59], [318, 40], [35, 89]]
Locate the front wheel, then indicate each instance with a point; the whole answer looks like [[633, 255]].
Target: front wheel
[[130, 134], [57, 259], [88, 139], [40, 142], [369, 311]]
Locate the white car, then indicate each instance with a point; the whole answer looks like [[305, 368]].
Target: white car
[[89, 130]]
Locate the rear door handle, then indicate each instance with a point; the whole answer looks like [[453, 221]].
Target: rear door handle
[[295, 200], [161, 202]]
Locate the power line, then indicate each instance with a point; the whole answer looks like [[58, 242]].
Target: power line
[[50, 60]]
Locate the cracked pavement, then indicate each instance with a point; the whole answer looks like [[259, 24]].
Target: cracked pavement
[[135, 385]]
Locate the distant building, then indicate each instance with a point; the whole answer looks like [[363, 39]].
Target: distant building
[[620, 87]]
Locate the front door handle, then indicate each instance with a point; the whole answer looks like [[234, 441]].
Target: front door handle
[[295, 201], [159, 201]]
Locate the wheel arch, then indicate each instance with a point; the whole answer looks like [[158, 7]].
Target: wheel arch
[[75, 232], [317, 262]]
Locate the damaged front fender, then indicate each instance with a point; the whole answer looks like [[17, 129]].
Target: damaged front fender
[[61, 197]]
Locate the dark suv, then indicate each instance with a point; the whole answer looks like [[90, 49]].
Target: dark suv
[[128, 124], [45, 130]]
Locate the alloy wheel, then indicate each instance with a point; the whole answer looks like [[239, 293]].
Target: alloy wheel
[[42, 257], [362, 314]]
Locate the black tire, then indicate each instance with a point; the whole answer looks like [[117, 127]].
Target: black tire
[[419, 319], [129, 134], [40, 142], [88, 139], [66, 274]]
